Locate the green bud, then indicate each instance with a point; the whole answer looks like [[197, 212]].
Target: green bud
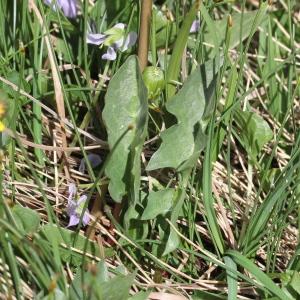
[[154, 80]]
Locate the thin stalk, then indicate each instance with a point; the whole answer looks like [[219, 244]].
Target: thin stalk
[[144, 34]]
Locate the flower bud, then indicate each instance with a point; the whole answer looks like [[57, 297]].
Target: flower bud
[[154, 81]]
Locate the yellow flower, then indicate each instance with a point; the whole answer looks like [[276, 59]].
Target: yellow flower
[[2, 126]]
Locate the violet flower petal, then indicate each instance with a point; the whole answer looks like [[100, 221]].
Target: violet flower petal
[[71, 208], [72, 191], [95, 38], [68, 7], [118, 44], [120, 26], [85, 218], [74, 220], [83, 198], [129, 41], [110, 54], [195, 26], [94, 159]]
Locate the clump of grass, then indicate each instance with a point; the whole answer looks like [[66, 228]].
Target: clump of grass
[[197, 192]]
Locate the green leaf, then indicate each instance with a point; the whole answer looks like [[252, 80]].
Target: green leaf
[[172, 242], [203, 295], [158, 203], [168, 235], [215, 33], [261, 216], [189, 105], [260, 276], [231, 278], [126, 105], [221, 131], [208, 199], [116, 288], [57, 294], [180, 43], [15, 78], [140, 296], [137, 229], [9, 117], [26, 218], [295, 282], [275, 93], [164, 28], [67, 238], [255, 131]]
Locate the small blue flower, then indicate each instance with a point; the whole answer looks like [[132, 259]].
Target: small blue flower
[[75, 207], [114, 38], [68, 7], [195, 26], [94, 159]]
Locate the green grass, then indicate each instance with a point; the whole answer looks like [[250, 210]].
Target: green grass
[[197, 195]]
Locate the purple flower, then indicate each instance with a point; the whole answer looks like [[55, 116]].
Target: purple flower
[[94, 159], [195, 26], [95, 38], [75, 207], [68, 7], [114, 38]]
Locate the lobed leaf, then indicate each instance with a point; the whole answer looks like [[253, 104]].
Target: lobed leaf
[[158, 203], [189, 106]]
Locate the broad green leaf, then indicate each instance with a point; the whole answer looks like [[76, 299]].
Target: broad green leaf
[[26, 218], [102, 274], [189, 106], [126, 105], [259, 275], [158, 203], [137, 229], [172, 242], [116, 288], [168, 236], [255, 131], [66, 238]]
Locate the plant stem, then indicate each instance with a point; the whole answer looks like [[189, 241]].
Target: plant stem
[[145, 20]]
